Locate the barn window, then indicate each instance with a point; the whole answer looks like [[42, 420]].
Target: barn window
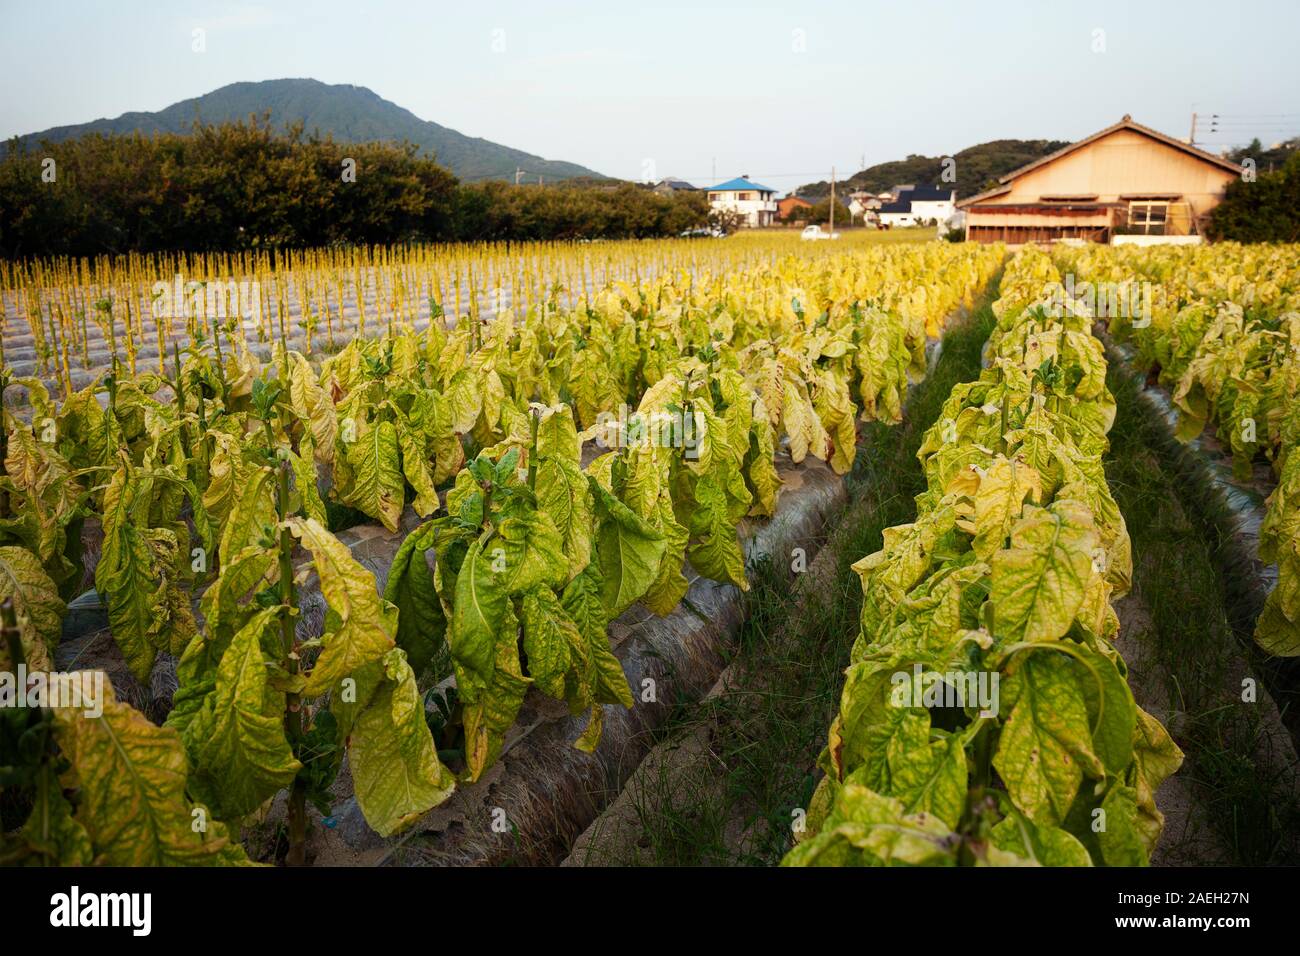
[[1148, 216]]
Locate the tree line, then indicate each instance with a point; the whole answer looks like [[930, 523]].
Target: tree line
[[1265, 210], [244, 185]]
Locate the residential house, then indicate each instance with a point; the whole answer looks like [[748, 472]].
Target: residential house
[[666, 187], [895, 213], [862, 205], [1127, 182], [785, 207], [933, 204], [755, 203], [919, 205]]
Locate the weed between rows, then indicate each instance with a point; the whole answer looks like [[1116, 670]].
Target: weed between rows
[[761, 736], [1187, 633]]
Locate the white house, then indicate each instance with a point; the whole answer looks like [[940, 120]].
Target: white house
[[919, 205], [755, 203], [862, 205]]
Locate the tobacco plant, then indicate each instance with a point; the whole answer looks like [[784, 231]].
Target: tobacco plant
[[1003, 584], [1219, 327], [260, 707]]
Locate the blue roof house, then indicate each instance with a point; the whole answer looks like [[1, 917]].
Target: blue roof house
[[755, 202]]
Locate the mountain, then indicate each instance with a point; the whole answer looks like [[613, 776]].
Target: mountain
[[977, 168], [350, 113]]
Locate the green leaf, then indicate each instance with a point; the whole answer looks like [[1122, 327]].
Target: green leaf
[[1044, 845], [130, 778], [715, 547], [670, 585], [350, 697], [551, 641], [1046, 743], [1121, 838], [533, 549], [583, 602], [478, 614], [932, 778], [254, 513], [55, 835], [125, 577], [367, 623], [242, 757], [35, 596], [1155, 758], [415, 466], [760, 469], [395, 766], [1039, 582], [628, 551], [304, 479], [492, 713], [562, 493], [377, 487], [866, 828], [1111, 711], [421, 623], [229, 601]]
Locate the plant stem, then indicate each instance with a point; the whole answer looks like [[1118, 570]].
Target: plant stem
[[1002, 435], [297, 855], [532, 451], [4, 438], [179, 388], [12, 638]]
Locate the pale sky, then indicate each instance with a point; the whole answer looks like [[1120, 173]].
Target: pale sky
[[781, 91]]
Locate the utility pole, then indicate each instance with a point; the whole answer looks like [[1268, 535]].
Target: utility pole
[[715, 169], [1214, 126], [832, 200]]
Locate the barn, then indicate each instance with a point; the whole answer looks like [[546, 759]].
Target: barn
[[1126, 180]]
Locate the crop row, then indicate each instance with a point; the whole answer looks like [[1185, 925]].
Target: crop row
[[986, 718], [215, 475], [61, 317], [1219, 326]]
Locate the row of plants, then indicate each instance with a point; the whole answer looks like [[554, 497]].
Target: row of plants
[[986, 718], [63, 315], [1219, 327], [226, 478]]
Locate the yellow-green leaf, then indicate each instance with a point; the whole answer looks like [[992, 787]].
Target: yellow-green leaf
[[1039, 582], [395, 766], [367, 623], [130, 777]]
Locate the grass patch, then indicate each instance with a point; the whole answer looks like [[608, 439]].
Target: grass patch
[[756, 743]]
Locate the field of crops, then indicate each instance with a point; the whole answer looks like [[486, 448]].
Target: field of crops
[[559, 433], [1223, 336]]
